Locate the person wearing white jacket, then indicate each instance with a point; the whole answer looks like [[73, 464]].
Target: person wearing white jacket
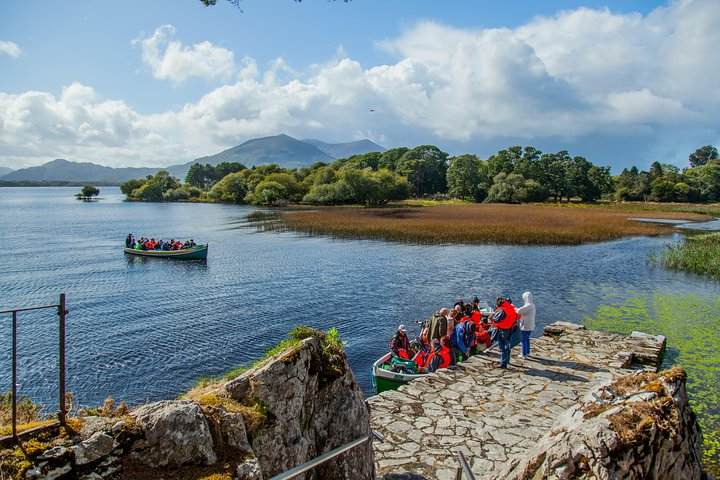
[[527, 322]]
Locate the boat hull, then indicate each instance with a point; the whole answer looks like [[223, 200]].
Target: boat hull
[[196, 253], [385, 379]]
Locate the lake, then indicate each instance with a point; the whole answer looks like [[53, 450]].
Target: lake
[[146, 329]]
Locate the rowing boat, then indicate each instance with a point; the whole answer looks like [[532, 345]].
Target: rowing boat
[[389, 376], [198, 252]]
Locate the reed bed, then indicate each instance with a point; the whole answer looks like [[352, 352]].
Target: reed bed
[[479, 224], [698, 254]]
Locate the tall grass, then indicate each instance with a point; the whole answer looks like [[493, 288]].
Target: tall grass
[[698, 254], [479, 223]]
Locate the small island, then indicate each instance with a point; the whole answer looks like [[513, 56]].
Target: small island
[[87, 193]]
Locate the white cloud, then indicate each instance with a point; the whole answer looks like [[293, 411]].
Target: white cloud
[[170, 60], [10, 48], [618, 89]]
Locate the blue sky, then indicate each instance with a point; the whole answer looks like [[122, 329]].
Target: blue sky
[[138, 83]]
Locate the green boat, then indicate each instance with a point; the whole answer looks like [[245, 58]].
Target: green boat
[[198, 252], [387, 375]]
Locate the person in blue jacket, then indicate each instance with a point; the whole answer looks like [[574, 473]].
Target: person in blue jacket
[[462, 339]]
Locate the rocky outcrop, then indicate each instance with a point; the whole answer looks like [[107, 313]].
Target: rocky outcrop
[[638, 427], [312, 405], [174, 434], [296, 406]]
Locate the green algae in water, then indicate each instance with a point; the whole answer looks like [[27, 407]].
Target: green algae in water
[[691, 325]]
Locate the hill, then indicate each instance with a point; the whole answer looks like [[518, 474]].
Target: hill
[[61, 170], [5, 171], [345, 150], [284, 150]]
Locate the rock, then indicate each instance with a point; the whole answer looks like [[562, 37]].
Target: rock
[[53, 454], [232, 428], [175, 434], [250, 470], [94, 448], [313, 405]]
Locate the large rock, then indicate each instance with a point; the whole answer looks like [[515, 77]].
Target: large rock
[[649, 433], [313, 405], [175, 434]]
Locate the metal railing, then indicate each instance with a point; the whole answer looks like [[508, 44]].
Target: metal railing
[[326, 456], [464, 467], [61, 313]]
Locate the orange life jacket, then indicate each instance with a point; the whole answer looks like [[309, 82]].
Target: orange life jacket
[[510, 316], [444, 353], [476, 317]]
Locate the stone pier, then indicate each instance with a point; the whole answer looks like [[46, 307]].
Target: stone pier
[[494, 416]]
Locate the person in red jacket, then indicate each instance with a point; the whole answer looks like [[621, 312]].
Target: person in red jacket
[[439, 356], [504, 320]]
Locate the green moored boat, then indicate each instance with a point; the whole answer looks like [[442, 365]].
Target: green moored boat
[[198, 252], [387, 375]]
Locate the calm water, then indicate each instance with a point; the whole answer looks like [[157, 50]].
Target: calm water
[[147, 329]]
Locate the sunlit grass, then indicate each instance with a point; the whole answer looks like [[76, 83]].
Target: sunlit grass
[[697, 254], [481, 223]]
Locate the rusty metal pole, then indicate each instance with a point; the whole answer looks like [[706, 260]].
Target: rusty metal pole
[[61, 313], [14, 376]]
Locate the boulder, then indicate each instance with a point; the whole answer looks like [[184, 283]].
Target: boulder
[[175, 434], [313, 405]]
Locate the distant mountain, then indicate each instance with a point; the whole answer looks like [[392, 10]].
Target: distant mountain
[[345, 150], [64, 171], [282, 149], [5, 171]]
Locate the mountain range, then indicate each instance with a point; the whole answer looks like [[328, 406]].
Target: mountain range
[[282, 149]]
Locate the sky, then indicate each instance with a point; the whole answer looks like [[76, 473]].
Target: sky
[[135, 83]]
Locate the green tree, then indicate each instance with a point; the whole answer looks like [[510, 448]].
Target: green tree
[[465, 176], [156, 186], [705, 179], [231, 188], [703, 155], [87, 192], [504, 161], [268, 193], [127, 187], [425, 167], [391, 158], [513, 188], [552, 166]]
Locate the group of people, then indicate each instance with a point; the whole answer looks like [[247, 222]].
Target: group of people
[[152, 244], [454, 334]]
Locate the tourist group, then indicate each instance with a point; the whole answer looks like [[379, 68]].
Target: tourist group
[[454, 334], [152, 244]]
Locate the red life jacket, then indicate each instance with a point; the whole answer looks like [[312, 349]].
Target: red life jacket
[[510, 316], [444, 353], [476, 317]]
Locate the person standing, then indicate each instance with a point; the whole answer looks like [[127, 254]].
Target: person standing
[[527, 322], [504, 319], [438, 325]]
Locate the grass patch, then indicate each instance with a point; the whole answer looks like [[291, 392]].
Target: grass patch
[[698, 254], [690, 323], [635, 421], [482, 223]]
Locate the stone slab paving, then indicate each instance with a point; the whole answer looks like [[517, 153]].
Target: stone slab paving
[[492, 414]]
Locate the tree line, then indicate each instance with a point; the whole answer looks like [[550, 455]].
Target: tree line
[[514, 175]]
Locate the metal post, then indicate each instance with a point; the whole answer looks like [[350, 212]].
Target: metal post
[[14, 376], [61, 313]]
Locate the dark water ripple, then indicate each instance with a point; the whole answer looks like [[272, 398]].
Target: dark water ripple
[[145, 329]]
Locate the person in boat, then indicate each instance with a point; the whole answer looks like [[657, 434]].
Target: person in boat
[[400, 343], [439, 356], [437, 326], [129, 241], [504, 319]]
